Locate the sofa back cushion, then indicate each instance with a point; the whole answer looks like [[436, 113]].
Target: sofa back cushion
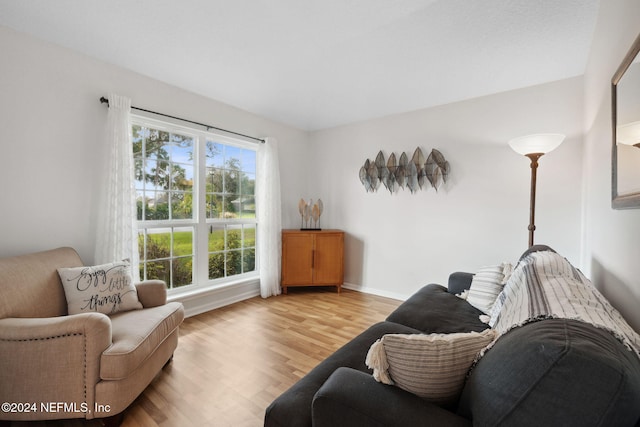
[[434, 310], [30, 284], [554, 372]]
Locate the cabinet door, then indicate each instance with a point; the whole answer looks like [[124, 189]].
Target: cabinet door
[[329, 259], [297, 261]]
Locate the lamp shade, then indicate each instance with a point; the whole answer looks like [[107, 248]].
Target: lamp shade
[[628, 134], [541, 143]]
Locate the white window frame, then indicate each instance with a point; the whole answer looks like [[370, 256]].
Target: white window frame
[[200, 222]]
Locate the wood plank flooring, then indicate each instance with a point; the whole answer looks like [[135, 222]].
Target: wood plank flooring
[[232, 362]]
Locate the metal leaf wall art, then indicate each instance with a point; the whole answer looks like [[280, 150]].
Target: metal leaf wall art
[[391, 172], [412, 174]]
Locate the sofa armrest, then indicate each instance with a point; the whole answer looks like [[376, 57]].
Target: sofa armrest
[[54, 359], [353, 398], [152, 293], [459, 282]]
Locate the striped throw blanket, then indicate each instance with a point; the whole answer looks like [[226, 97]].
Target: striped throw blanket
[[545, 285]]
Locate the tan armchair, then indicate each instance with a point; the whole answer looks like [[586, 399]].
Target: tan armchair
[[59, 366]]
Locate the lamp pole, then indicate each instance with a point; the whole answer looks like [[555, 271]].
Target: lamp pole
[[534, 147], [532, 209]]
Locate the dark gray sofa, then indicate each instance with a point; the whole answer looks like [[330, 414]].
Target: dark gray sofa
[[551, 372]]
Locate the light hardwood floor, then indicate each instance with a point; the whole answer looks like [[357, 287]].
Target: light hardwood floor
[[232, 362]]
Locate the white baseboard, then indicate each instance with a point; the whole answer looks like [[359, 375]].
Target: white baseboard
[[374, 291], [212, 298], [209, 299]]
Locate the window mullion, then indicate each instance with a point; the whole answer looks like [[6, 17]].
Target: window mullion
[[201, 273]]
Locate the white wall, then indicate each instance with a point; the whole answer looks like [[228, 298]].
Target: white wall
[[612, 237], [397, 243], [51, 133]]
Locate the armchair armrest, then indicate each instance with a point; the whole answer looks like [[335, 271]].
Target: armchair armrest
[[152, 293], [353, 398], [54, 359], [35, 329]]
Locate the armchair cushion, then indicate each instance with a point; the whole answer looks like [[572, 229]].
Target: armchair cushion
[[106, 288], [136, 334]]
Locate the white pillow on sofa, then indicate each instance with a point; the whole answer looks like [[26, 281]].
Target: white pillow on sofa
[[106, 288], [486, 285], [432, 366]]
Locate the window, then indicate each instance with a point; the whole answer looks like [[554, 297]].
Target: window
[[196, 206], [230, 209]]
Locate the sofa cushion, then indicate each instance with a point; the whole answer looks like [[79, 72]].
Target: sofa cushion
[[486, 285], [106, 288], [135, 335], [353, 398], [554, 372], [434, 310], [432, 366]]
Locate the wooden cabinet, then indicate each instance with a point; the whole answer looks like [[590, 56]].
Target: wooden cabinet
[[312, 258]]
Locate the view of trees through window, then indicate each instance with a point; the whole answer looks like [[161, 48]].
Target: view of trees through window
[[179, 205]]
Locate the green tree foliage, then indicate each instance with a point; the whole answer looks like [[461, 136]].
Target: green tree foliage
[[234, 260], [155, 166], [160, 266], [229, 188]]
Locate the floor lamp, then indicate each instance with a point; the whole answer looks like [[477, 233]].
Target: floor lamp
[[534, 147]]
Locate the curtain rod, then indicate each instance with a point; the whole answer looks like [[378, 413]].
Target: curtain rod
[[104, 100]]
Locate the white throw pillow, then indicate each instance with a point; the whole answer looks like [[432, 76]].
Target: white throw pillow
[[486, 285], [106, 288], [432, 366]]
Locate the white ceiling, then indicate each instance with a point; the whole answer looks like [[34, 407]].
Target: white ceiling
[[315, 64]]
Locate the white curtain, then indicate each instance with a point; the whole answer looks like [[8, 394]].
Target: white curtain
[[117, 227], [269, 218]]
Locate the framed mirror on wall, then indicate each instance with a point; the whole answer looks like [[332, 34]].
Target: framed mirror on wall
[[625, 151]]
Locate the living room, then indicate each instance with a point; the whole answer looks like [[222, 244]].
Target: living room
[[53, 125]]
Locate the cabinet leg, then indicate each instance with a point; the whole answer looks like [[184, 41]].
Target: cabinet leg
[[284, 290]]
